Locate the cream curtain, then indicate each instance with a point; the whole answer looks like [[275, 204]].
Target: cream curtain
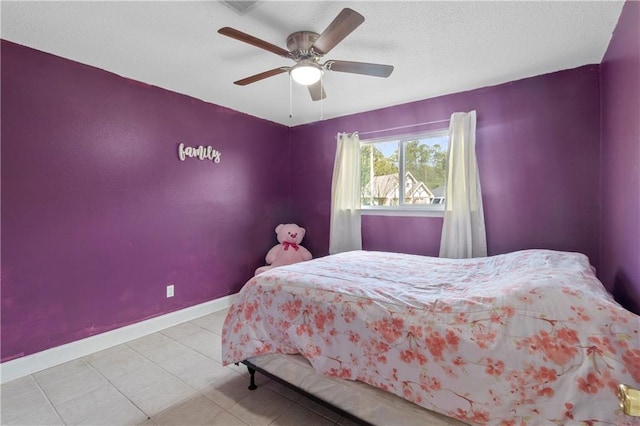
[[345, 233], [463, 231]]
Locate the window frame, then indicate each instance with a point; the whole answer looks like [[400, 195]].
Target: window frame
[[428, 210]]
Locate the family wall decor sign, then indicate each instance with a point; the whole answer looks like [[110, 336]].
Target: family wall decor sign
[[201, 152]]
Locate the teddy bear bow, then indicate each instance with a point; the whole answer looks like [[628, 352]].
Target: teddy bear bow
[[286, 245]]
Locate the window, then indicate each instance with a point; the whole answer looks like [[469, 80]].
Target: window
[[404, 173]]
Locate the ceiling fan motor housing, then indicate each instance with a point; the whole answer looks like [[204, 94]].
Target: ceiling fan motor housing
[[299, 44]]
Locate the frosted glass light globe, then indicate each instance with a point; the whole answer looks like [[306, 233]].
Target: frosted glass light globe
[[306, 73]]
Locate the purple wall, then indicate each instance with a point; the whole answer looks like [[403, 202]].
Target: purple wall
[[98, 213], [620, 224], [538, 144]]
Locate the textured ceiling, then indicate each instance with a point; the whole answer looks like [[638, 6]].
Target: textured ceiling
[[436, 47]]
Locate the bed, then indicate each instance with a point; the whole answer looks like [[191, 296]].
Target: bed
[[530, 337]]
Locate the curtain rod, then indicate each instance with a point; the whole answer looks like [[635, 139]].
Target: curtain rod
[[403, 127]]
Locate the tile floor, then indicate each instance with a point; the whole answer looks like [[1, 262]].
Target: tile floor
[[173, 377]]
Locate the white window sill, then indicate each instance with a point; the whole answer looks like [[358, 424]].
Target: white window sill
[[402, 212]]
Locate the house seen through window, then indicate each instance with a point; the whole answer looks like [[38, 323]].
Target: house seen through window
[[404, 172]]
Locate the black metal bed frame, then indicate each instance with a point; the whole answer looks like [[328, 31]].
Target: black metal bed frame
[[252, 386]]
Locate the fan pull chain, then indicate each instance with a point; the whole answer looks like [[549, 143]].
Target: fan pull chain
[[290, 96], [321, 97]]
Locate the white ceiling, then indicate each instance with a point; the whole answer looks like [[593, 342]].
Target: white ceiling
[[436, 47]]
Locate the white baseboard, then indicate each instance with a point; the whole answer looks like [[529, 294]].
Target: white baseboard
[[29, 364]]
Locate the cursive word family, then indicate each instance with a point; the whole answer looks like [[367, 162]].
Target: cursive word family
[[201, 152]]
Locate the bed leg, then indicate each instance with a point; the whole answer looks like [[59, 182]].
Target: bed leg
[[252, 384]]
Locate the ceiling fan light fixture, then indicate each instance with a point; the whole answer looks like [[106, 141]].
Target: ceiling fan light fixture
[[306, 72]]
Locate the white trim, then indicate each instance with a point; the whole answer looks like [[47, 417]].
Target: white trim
[[390, 211], [29, 364]]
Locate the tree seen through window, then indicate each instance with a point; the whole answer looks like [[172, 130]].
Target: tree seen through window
[[424, 163]]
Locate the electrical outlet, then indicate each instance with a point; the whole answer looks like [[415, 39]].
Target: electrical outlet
[[170, 290]]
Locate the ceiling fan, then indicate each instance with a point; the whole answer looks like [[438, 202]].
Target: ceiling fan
[[306, 48]]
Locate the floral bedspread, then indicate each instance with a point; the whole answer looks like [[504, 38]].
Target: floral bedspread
[[530, 337]]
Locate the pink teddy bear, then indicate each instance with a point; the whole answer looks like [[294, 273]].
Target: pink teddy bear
[[289, 250]]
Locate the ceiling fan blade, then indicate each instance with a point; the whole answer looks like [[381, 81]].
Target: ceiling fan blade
[[261, 76], [254, 41], [346, 21], [317, 91], [376, 70]]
